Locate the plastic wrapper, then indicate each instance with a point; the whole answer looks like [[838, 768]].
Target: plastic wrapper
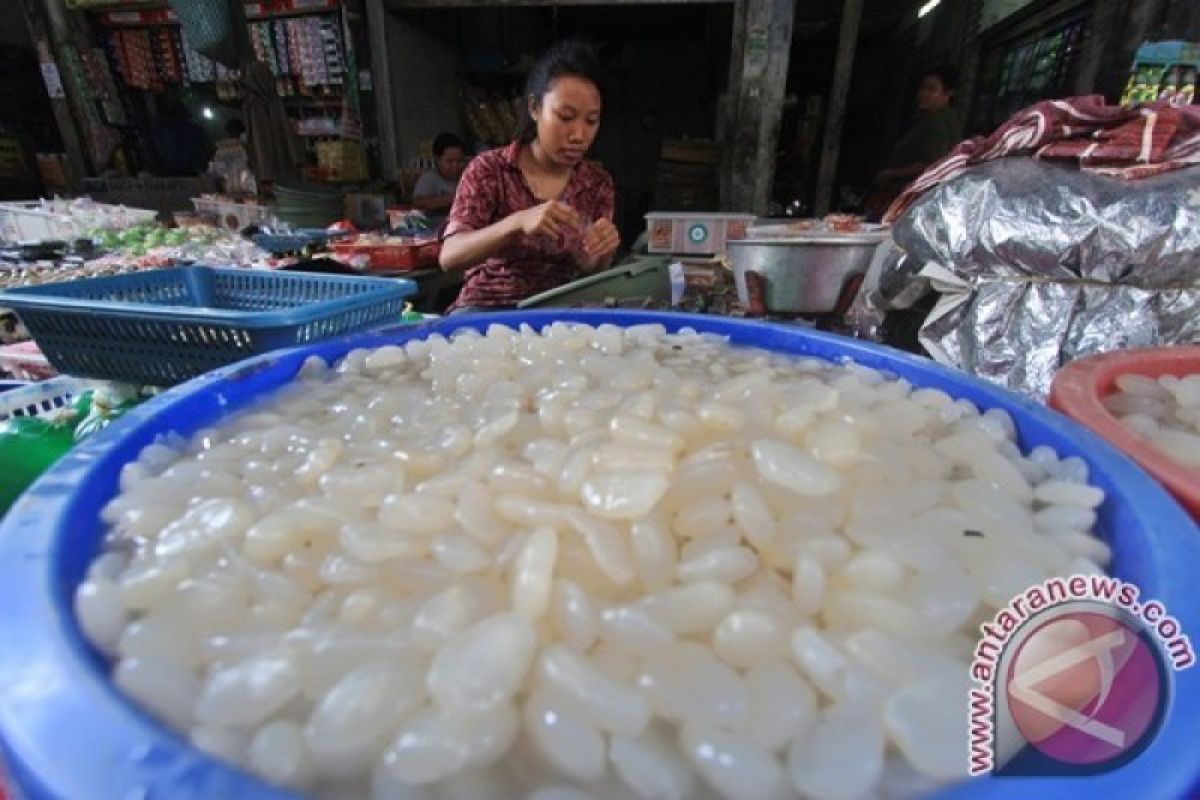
[[1037, 264]]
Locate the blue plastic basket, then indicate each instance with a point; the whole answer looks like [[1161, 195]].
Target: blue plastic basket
[[161, 327], [67, 734], [280, 243]]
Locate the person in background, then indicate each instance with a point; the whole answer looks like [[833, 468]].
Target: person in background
[[181, 146], [533, 215], [235, 132], [435, 188], [231, 162], [933, 134]]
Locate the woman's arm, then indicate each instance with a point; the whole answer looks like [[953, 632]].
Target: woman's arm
[[467, 248]]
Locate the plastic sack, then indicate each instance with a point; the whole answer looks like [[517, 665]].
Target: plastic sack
[[105, 406], [208, 26], [1037, 264], [30, 445]]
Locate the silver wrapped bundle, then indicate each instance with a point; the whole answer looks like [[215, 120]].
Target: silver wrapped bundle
[[1038, 264]]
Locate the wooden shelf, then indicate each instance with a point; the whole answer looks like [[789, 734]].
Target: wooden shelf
[[267, 9], [138, 18], [297, 101], [405, 4]]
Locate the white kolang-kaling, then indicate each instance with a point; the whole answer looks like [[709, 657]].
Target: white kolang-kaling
[[1165, 412], [584, 563]]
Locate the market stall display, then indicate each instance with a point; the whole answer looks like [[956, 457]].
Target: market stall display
[[140, 247], [61, 219], [1135, 519], [1163, 71], [387, 253], [306, 48]]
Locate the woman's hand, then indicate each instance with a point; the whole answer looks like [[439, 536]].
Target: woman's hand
[[551, 219], [599, 243]]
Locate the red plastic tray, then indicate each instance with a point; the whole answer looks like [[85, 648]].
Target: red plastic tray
[[401, 257], [1080, 386]]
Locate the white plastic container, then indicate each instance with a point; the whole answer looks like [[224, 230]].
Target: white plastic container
[[233, 216], [41, 398], [60, 220], [694, 232]]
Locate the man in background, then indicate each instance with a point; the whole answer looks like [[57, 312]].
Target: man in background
[[434, 190], [933, 134]]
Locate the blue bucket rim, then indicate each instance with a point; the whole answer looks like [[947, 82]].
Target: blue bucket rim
[[60, 707]]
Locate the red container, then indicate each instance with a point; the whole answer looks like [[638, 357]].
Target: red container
[[393, 257], [1079, 388]]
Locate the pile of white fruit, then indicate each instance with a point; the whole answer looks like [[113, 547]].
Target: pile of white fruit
[[580, 562], [1165, 412]]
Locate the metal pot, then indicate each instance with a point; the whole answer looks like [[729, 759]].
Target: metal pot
[[803, 274]]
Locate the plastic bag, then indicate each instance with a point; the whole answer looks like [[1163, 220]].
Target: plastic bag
[[29, 446], [209, 29], [106, 405]]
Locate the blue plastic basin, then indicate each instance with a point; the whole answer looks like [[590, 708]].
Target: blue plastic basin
[[66, 732]]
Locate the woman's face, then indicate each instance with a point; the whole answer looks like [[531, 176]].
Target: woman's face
[[567, 119]]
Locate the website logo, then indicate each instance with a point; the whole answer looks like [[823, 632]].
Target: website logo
[[1072, 677]]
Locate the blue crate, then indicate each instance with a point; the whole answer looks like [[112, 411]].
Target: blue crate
[[281, 243], [161, 327]]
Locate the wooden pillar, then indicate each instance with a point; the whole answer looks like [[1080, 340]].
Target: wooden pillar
[[968, 64], [51, 33], [831, 142], [728, 118], [759, 102], [377, 27]]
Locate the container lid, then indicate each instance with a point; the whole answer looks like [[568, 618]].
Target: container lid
[[823, 237], [809, 228], [700, 215]]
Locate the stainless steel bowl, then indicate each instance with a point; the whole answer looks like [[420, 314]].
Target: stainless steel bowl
[[804, 274]]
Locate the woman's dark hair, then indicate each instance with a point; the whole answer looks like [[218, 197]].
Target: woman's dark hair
[[570, 57], [234, 128], [945, 73], [444, 141]]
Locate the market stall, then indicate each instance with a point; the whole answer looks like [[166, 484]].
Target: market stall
[[662, 531], [143, 52]]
